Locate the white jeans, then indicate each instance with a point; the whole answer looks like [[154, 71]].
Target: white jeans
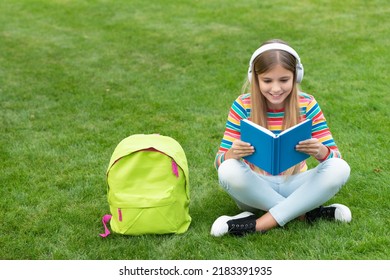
[[286, 198]]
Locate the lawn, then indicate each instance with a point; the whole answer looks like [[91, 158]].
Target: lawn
[[76, 77]]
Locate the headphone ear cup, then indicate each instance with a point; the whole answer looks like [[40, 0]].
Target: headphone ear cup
[[299, 73]]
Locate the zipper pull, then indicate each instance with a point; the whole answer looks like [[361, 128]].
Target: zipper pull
[[119, 215], [175, 169]]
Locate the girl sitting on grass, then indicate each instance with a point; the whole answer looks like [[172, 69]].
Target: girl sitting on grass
[[275, 102]]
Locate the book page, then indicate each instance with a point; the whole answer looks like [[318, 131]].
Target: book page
[[259, 127]]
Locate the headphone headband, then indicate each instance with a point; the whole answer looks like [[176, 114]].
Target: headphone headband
[[277, 46]]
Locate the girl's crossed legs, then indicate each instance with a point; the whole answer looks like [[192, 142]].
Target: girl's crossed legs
[[283, 198]]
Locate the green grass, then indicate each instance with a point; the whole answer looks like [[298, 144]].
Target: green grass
[[76, 77]]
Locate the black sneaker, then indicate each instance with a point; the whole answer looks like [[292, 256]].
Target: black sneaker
[[336, 212], [239, 225]]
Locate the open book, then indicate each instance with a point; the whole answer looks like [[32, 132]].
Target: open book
[[275, 153]]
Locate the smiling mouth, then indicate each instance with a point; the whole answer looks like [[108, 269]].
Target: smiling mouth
[[276, 95]]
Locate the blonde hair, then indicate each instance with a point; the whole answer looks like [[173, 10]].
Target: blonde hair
[[264, 63]]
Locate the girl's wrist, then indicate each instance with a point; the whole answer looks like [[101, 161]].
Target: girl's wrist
[[321, 156], [228, 154]]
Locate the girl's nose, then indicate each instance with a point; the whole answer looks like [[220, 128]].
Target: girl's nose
[[276, 87]]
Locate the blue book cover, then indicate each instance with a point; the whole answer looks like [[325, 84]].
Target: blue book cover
[[275, 153]]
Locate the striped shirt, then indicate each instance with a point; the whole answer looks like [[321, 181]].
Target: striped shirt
[[309, 109]]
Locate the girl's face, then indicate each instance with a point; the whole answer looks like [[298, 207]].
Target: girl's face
[[276, 85]]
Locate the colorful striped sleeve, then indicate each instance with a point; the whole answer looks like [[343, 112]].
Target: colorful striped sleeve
[[240, 109], [320, 129]]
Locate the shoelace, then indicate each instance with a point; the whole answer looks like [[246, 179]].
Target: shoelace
[[242, 226]]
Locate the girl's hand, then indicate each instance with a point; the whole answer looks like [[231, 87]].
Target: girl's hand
[[312, 147], [239, 149]]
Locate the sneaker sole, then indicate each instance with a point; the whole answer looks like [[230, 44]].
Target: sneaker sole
[[220, 226], [342, 213]]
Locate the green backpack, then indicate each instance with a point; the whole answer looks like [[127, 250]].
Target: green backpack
[[148, 187]]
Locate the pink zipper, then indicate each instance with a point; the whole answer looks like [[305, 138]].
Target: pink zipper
[[120, 215], [175, 169]]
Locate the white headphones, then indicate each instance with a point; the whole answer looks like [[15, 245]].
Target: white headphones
[[277, 46]]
